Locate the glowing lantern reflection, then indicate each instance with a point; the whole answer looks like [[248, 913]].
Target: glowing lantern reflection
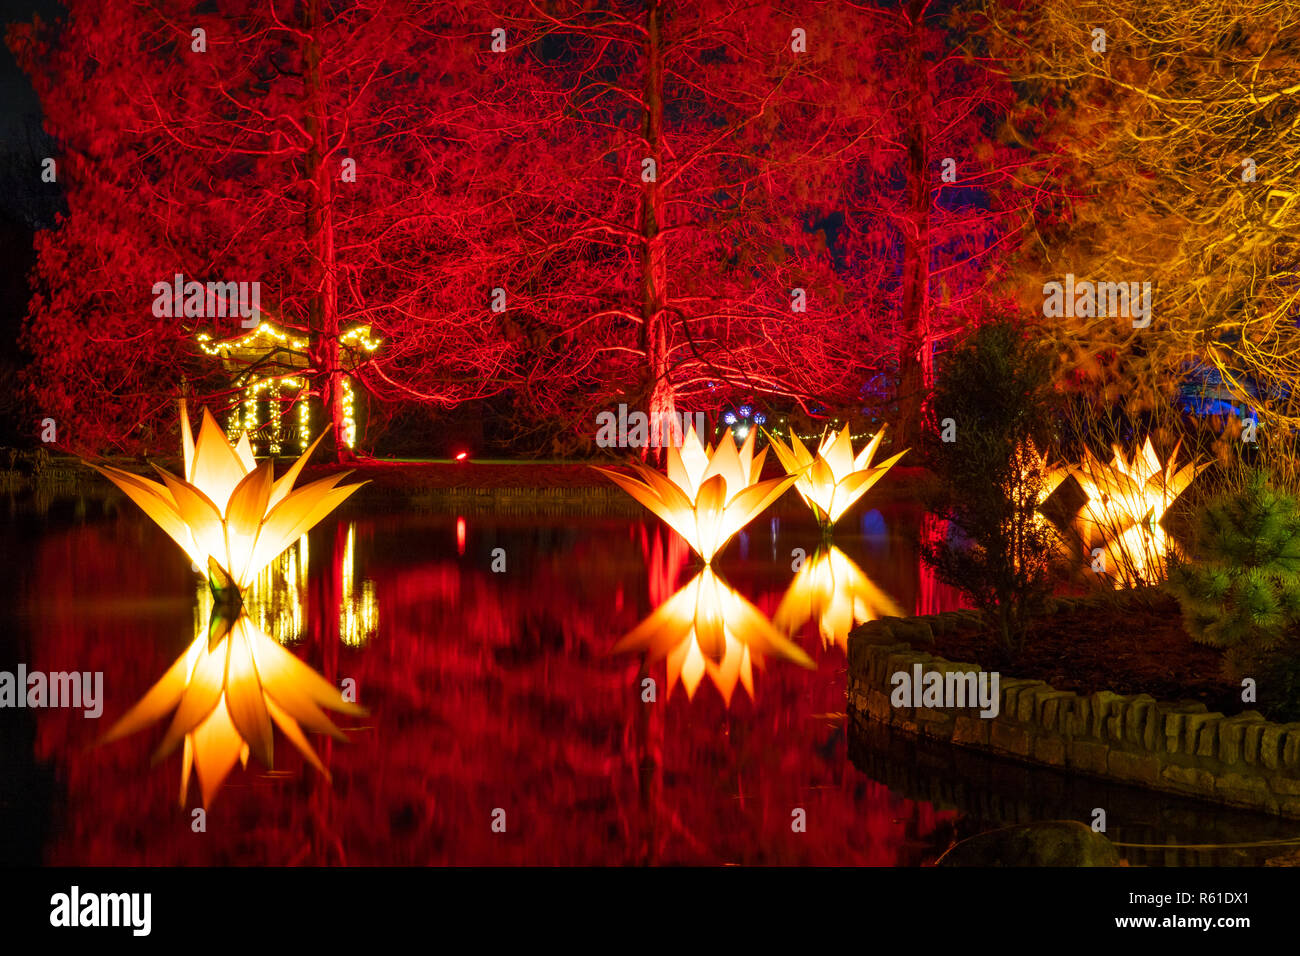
[[358, 607], [707, 628], [226, 696], [834, 479], [832, 590], [275, 599], [708, 495], [228, 510]]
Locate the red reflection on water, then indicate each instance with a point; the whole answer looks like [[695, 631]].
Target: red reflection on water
[[485, 690], [934, 596], [666, 555]]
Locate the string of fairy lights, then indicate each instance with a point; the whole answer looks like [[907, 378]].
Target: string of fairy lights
[[267, 338]]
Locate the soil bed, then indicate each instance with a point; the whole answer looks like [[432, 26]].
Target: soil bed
[[1129, 647]]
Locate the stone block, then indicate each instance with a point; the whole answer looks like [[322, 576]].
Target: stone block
[[913, 630], [1135, 718], [1104, 703], [1048, 748], [1141, 768], [1089, 756], [1175, 717], [1270, 745], [1197, 726], [1037, 706], [1250, 740], [1245, 788], [935, 721], [1232, 733], [873, 633], [902, 661], [1287, 806], [1080, 715], [878, 706], [1188, 779], [1291, 747], [1010, 690], [971, 731], [1285, 786], [1056, 712], [1009, 737]]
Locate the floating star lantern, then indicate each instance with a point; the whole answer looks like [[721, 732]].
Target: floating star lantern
[[834, 479], [708, 494], [1126, 499], [228, 512], [1132, 491], [706, 628]]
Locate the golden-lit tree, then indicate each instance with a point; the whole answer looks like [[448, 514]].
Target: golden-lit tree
[[1180, 120]]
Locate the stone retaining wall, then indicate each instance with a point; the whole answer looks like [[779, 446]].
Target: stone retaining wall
[[1241, 761]]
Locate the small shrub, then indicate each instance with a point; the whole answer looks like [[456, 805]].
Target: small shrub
[[1241, 592], [994, 390]]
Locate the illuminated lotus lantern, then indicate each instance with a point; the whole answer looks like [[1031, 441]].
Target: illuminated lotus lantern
[[706, 628], [226, 696], [228, 512], [1052, 476], [708, 494], [832, 590], [233, 519], [1135, 490], [1126, 499], [1033, 463], [834, 479]]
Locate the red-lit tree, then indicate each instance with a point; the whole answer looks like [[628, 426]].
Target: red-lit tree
[[947, 189], [703, 161], [648, 201], [310, 146], [671, 253]]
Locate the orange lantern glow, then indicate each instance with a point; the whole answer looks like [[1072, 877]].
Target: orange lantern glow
[[1126, 499], [832, 590], [834, 479], [707, 628], [226, 697], [708, 495], [233, 520], [227, 509]]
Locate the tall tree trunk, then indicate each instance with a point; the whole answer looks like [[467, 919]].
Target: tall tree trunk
[[323, 316], [658, 388], [914, 337]]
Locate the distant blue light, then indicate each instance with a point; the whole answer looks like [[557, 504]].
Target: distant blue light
[[729, 418], [759, 418], [745, 411], [873, 525]]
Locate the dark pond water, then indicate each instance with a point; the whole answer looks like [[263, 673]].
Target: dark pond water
[[493, 695]]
